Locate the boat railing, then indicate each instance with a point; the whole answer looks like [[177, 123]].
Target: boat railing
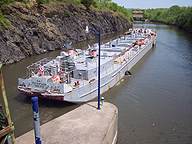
[[34, 67], [38, 63]]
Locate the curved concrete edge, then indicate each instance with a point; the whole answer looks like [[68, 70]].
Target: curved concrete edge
[[84, 125], [111, 135]]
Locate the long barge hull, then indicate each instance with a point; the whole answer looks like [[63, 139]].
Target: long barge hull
[[90, 90]]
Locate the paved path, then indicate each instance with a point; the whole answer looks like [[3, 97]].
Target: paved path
[[84, 125]]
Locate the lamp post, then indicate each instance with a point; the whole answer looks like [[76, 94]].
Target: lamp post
[[87, 30]]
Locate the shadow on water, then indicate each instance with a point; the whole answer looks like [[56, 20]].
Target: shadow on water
[[55, 104], [20, 98]]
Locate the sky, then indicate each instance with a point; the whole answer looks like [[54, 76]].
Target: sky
[[146, 4]]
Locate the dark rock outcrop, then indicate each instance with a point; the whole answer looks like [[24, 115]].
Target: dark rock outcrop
[[38, 29]]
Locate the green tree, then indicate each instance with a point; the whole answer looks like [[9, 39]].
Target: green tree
[[96, 3], [181, 20], [189, 21], [113, 6], [179, 16], [174, 9], [158, 13]]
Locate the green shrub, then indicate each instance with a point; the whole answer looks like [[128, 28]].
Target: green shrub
[[3, 21], [87, 3], [67, 12], [113, 6], [96, 4], [41, 1]]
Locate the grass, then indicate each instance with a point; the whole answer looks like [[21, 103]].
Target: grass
[[3, 21], [67, 12]]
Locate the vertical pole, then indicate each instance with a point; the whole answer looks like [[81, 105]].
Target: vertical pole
[[6, 103], [36, 120], [99, 69]]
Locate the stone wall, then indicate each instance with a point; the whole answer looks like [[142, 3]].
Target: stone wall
[[36, 29]]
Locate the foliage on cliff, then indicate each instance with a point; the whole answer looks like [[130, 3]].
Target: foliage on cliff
[[93, 4], [179, 16], [87, 3], [108, 5], [38, 28]]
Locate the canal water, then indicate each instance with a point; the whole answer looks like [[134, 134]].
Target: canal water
[[154, 103]]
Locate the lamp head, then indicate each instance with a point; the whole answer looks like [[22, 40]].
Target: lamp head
[[87, 29]]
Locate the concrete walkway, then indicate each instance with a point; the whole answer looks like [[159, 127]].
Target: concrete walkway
[[84, 125]]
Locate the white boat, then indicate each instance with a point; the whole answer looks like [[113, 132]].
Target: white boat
[[73, 76]]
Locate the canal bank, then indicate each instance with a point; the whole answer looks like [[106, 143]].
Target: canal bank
[[85, 124], [154, 103], [36, 30]]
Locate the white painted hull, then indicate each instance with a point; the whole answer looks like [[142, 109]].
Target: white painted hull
[[90, 91]]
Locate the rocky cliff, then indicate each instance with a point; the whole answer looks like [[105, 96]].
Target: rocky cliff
[[36, 29]]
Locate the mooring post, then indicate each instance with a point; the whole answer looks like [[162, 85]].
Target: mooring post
[[102, 101], [36, 120]]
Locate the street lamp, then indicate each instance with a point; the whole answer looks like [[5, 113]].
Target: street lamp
[[87, 30]]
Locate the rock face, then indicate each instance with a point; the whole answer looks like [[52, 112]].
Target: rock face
[[38, 29]]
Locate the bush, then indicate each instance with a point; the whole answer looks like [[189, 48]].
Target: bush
[[3, 21], [41, 1], [87, 3], [96, 4], [67, 12], [113, 6]]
